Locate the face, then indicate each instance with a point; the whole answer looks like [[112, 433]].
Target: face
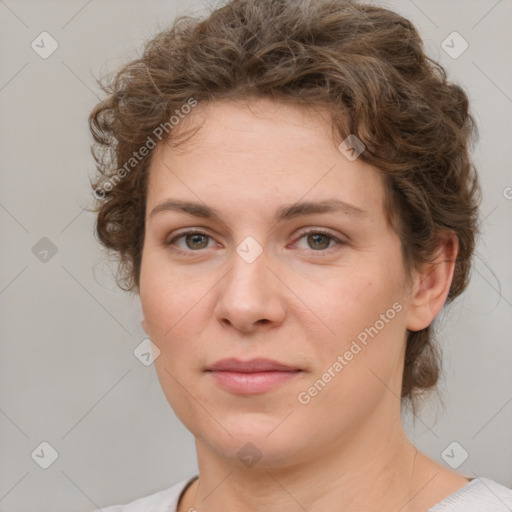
[[250, 274]]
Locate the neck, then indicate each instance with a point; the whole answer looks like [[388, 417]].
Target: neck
[[364, 471]]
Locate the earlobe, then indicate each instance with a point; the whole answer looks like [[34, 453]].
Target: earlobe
[[144, 325], [432, 284], [143, 322]]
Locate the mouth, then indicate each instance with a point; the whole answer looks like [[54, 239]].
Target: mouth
[[251, 377]]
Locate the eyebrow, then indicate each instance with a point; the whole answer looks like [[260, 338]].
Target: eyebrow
[[285, 212]]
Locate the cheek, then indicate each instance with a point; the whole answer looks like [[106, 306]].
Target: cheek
[[366, 323], [174, 310], [163, 295], [168, 308], [357, 368], [359, 302]]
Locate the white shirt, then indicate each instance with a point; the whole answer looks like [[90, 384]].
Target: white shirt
[[479, 495]]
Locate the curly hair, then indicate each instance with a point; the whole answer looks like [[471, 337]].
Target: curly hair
[[365, 63]]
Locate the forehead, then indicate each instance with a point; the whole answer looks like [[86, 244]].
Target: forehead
[[245, 126], [263, 151]]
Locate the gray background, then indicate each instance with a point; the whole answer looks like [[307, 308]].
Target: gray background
[[68, 373]]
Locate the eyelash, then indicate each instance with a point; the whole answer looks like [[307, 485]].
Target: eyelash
[[301, 235]]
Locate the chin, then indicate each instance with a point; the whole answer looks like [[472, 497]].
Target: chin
[[262, 453], [252, 435]]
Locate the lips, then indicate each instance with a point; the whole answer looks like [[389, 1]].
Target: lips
[[252, 377], [251, 366]]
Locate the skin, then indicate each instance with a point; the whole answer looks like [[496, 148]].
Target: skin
[[296, 303]]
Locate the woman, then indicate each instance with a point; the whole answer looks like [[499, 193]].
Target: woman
[[289, 187]]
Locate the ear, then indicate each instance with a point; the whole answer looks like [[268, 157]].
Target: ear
[[143, 322], [432, 284]]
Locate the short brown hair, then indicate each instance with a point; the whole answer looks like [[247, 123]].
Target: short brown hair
[[365, 63]]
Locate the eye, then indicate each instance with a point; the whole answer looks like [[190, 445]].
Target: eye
[[318, 240], [194, 240]]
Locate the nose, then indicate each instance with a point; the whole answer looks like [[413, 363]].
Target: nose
[[250, 296]]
